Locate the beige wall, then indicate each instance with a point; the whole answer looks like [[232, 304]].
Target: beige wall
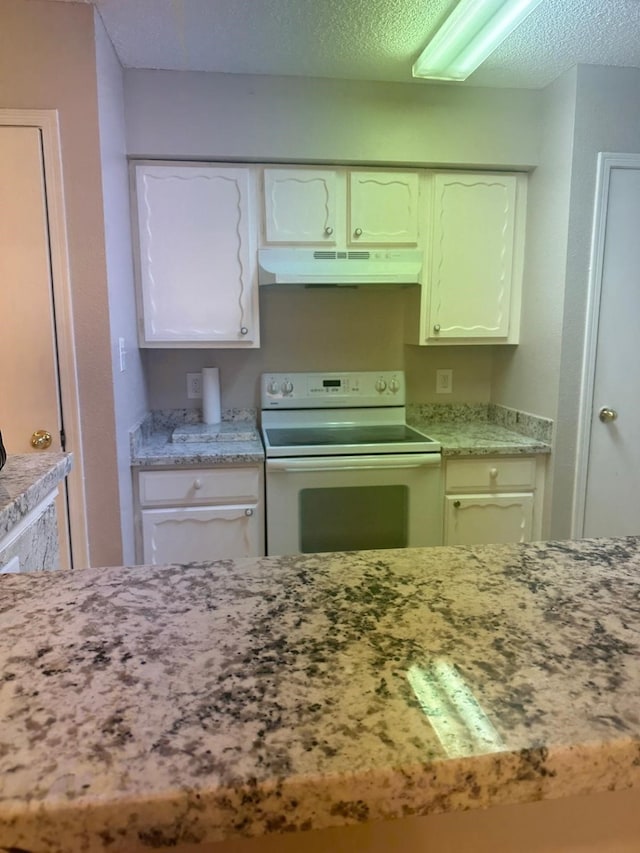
[[47, 61]]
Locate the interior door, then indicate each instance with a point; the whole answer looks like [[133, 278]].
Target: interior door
[[611, 506], [29, 388]]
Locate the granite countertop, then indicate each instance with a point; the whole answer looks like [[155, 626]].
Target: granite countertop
[[171, 438], [155, 706], [25, 481], [178, 438], [482, 429], [483, 439]]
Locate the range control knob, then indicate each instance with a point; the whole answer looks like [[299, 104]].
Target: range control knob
[[287, 387], [394, 386], [381, 385], [273, 387]]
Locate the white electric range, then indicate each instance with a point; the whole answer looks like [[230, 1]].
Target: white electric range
[[344, 471]]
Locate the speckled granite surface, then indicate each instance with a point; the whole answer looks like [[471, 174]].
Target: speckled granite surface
[[150, 706], [25, 481], [171, 437], [482, 430], [178, 437]]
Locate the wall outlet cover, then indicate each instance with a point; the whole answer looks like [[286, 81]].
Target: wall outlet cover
[[444, 381], [194, 386]]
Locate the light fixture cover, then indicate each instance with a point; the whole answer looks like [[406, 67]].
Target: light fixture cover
[[472, 31]]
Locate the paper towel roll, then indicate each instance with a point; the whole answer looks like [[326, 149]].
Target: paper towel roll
[[211, 395]]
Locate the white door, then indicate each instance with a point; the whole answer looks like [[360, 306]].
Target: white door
[[29, 390], [611, 402]]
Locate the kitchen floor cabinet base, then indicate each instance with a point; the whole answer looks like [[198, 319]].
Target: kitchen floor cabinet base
[[197, 514], [493, 500]]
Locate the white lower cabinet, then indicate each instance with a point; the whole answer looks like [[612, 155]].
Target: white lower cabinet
[[493, 500], [200, 514]]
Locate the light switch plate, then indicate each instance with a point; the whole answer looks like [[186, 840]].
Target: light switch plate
[[444, 381]]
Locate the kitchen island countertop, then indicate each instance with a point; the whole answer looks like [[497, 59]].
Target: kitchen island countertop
[[25, 481], [161, 705]]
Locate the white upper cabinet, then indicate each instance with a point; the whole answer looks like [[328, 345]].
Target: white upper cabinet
[[197, 271], [303, 206], [474, 259], [383, 208], [340, 208]]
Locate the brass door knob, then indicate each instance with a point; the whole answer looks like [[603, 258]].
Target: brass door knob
[[607, 415], [41, 439]]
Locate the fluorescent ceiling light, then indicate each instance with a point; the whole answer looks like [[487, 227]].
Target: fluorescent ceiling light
[[473, 30]]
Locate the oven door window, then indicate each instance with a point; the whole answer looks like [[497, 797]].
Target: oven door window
[[353, 518]]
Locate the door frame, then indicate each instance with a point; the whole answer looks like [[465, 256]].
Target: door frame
[[47, 122], [605, 165]]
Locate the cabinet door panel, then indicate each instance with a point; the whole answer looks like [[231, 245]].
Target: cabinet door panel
[[383, 208], [301, 206], [196, 259], [472, 256], [199, 534], [480, 519]]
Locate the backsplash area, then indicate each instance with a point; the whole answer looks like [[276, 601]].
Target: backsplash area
[[322, 330], [533, 426]]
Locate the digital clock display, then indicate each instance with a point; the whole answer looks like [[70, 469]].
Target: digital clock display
[[331, 383]]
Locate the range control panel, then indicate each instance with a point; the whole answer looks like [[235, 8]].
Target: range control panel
[[332, 390]]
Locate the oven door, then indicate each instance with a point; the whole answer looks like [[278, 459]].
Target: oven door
[[351, 503]]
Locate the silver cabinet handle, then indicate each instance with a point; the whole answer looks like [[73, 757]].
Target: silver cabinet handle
[[357, 232], [436, 327], [248, 512], [457, 504], [244, 330], [607, 415], [328, 231]]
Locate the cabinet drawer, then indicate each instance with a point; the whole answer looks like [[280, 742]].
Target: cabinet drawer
[[200, 486], [490, 474]]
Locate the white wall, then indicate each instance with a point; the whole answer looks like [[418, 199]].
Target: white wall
[[607, 119], [199, 115], [527, 377], [130, 399], [243, 117]]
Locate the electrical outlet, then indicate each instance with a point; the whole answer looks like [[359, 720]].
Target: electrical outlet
[[194, 386], [444, 381]]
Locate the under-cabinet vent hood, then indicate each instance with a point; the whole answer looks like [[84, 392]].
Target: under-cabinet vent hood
[[339, 268]]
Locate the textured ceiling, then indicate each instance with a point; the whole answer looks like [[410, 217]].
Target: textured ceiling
[[360, 39]]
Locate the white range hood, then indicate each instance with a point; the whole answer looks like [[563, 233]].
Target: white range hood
[[336, 268]]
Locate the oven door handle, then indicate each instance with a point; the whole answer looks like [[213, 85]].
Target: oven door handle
[[355, 463]]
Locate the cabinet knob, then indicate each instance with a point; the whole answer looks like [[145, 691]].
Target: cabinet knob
[[456, 504], [244, 330], [493, 473], [248, 512], [197, 485], [357, 232], [328, 231], [436, 327]]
